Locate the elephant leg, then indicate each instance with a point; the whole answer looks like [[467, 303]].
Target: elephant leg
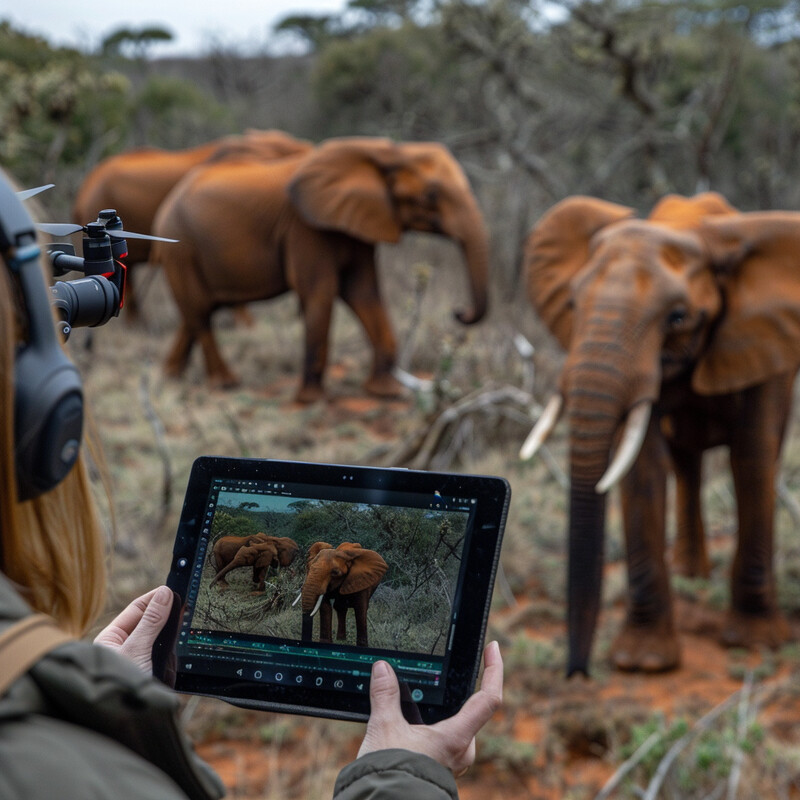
[[361, 292], [755, 449], [360, 608], [317, 308], [341, 619], [219, 376], [648, 640], [690, 557], [325, 621], [259, 579], [178, 356]]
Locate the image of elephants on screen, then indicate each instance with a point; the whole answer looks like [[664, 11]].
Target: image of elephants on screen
[[333, 572]]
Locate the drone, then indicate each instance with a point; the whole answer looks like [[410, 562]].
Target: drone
[[100, 295]]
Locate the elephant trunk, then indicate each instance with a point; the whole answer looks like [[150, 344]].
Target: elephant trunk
[[596, 406], [474, 240]]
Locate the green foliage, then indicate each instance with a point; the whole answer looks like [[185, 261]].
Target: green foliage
[[358, 88], [137, 42], [53, 105]]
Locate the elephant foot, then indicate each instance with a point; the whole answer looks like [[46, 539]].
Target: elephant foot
[[173, 370], [385, 385], [650, 649], [222, 380], [691, 565], [749, 630], [309, 393]]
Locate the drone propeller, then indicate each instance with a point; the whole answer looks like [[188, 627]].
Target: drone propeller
[[66, 228], [26, 193]]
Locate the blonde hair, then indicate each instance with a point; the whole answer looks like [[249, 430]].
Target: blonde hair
[[52, 547]]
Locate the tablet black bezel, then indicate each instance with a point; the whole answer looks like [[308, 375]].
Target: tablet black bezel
[[492, 495]]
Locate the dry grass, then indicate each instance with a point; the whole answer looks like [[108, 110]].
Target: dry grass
[[554, 738]]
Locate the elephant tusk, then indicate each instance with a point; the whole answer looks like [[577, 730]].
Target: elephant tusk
[[412, 381], [544, 426], [297, 599], [631, 443], [316, 607]]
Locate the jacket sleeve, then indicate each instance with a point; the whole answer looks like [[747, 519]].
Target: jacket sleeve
[[390, 774]]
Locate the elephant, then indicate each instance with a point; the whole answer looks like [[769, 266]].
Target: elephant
[[135, 182], [684, 326], [259, 551], [345, 576], [310, 224]]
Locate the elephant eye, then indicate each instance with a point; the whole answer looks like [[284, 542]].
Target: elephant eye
[[677, 317]]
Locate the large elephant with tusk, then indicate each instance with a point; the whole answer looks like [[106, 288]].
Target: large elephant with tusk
[[682, 333], [339, 579]]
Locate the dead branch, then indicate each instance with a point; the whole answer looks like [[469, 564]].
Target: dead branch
[[480, 401], [683, 742], [644, 748], [741, 731]]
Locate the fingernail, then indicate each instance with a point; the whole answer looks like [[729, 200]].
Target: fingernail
[[380, 669], [163, 596]]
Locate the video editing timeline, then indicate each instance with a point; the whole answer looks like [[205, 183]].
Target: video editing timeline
[[283, 663]]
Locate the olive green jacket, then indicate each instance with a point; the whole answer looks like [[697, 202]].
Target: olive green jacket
[[85, 723]]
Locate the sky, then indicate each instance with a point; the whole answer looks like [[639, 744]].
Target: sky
[[195, 24]]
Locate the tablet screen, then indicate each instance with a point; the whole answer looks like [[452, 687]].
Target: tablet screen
[[294, 578]]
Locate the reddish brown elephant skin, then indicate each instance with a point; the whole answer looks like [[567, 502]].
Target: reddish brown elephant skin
[[136, 182], [260, 551], [311, 225], [695, 310], [345, 577]]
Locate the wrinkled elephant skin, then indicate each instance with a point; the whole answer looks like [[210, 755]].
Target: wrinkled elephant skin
[[259, 551], [136, 182], [339, 579], [692, 317], [310, 225]]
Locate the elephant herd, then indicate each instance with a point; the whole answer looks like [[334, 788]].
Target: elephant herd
[[263, 214], [681, 332], [336, 578]]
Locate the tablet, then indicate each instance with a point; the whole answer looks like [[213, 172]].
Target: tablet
[[290, 579]]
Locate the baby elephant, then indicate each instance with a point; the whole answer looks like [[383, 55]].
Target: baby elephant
[[259, 551]]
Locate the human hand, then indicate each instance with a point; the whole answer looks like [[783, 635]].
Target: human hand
[[451, 742], [133, 631]]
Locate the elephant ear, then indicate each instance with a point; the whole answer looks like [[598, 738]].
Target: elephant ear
[[686, 213], [556, 249], [367, 570], [342, 186], [315, 550], [287, 549], [757, 258]]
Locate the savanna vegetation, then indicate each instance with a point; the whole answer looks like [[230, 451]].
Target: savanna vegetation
[[623, 99]]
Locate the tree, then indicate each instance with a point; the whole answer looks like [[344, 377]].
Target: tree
[[135, 43]]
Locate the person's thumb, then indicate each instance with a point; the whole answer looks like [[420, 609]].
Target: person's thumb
[[384, 692], [155, 616]]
